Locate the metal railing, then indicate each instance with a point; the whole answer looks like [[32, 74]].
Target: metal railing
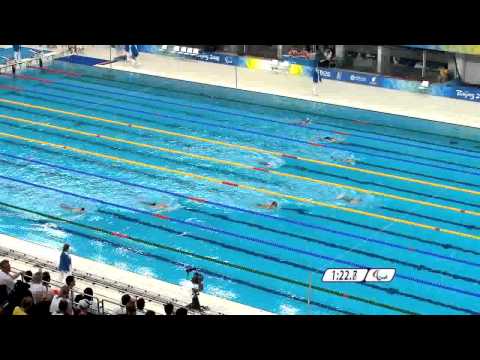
[[104, 282]]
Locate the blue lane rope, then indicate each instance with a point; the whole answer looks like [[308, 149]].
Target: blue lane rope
[[209, 228]]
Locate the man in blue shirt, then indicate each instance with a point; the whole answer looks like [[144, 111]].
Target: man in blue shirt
[[16, 52], [65, 264]]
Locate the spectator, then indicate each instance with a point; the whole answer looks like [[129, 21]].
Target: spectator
[[62, 308], [150, 313], [181, 312], [168, 308], [131, 308], [38, 290], [443, 74], [25, 306], [64, 293], [5, 277], [85, 298], [70, 281], [121, 310], [46, 279], [140, 306], [27, 277], [83, 307], [65, 264]]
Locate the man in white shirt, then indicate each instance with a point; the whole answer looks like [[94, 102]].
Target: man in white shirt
[[121, 310], [64, 291], [5, 277]]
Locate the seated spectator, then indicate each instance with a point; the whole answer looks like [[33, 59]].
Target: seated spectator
[[63, 295], [443, 74], [4, 304], [20, 290], [168, 308], [121, 310], [38, 290], [150, 313], [181, 312], [131, 308], [83, 307], [86, 298], [62, 308], [24, 307], [140, 306], [5, 277]]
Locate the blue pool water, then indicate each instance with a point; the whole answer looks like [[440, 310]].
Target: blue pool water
[[417, 182]]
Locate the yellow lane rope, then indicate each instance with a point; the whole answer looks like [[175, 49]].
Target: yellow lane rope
[[247, 148], [241, 186], [237, 164]]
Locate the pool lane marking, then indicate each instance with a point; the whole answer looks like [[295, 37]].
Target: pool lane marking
[[245, 187], [239, 165], [160, 98], [389, 290], [56, 96], [27, 77], [275, 153], [199, 200], [248, 238], [13, 88], [217, 261], [55, 71]]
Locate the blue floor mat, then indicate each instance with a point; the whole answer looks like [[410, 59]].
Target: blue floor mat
[[82, 60]]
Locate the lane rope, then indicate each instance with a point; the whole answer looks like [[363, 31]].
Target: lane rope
[[244, 187], [239, 165], [275, 153]]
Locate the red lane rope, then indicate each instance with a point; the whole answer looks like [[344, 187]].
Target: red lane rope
[[14, 88], [56, 71], [197, 199], [229, 183], [164, 217], [261, 169], [27, 77], [289, 156]]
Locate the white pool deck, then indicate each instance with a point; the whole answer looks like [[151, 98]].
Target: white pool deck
[[429, 107]]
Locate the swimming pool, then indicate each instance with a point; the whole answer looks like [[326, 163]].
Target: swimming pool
[[109, 141]]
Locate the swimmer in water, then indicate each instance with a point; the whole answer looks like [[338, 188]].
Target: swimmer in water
[[349, 199], [266, 163], [72, 209], [348, 160], [329, 139], [155, 205], [305, 122], [272, 205]]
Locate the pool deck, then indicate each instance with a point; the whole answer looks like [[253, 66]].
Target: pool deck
[[143, 282], [436, 108]]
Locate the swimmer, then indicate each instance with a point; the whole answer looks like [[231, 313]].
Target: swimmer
[[348, 160], [272, 205], [305, 122], [266, 163], [349, 199], [72, 209], [155, 205], [329, 139]]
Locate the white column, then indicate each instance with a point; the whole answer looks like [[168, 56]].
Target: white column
[[279, 51], [383, 59]]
